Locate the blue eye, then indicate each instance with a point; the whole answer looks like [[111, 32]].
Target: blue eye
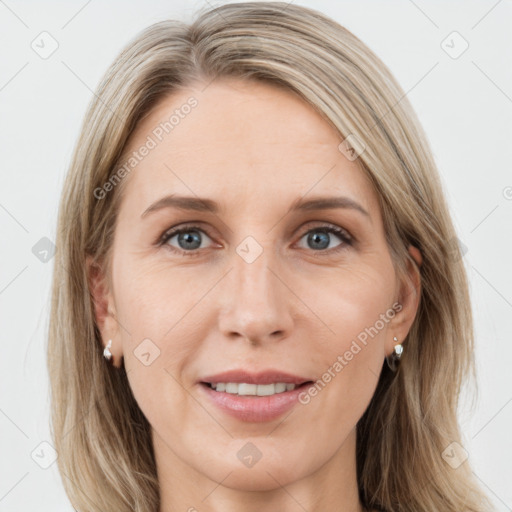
[[189, 239], [320, 237]]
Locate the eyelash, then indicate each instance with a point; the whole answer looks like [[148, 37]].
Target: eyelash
[[347, 240]]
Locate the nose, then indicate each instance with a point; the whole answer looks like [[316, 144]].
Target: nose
[[256, 301]]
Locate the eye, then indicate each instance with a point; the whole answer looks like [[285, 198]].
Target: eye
[[188, 239], [319, 238]]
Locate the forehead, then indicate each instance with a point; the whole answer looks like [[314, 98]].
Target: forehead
[[241, 140]]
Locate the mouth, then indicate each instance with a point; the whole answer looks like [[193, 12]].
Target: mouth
[[254, 397], [253, 389]]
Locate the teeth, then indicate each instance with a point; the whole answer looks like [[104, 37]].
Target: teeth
[[243, 388]]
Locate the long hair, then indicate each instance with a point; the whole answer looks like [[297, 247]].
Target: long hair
[[103, 440]]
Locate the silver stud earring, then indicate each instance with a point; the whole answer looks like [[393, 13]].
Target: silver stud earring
[[394, 358], [106, 352]]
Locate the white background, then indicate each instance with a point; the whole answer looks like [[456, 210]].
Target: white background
[[464, 104]]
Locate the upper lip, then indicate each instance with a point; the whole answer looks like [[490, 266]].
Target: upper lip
[[262, 377]]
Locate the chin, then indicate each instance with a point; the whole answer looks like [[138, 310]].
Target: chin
[[261, 477]]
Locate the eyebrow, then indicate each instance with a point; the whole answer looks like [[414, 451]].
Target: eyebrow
[[199, 204]]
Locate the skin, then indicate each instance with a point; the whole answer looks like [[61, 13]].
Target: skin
[[254, 149]]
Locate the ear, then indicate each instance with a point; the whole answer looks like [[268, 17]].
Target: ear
[[409, 298], [104, 309]]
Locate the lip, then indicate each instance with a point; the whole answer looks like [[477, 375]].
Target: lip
[[263, 377], [254, 409]]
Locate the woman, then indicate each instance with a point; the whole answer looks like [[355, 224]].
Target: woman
[[257, 304]]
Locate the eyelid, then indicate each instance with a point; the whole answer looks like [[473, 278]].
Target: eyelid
[[326, 225], [169, 232]]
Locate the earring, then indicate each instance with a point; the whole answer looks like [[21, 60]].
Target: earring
[[394, 358], [106, 352]]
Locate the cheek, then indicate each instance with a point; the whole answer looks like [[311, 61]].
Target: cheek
[[357, 309], [352, 302], [150, 298], [158, 328]]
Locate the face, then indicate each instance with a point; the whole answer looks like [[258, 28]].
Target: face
[[253, 283]]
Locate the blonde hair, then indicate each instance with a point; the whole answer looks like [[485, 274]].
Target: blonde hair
[[102, 437]]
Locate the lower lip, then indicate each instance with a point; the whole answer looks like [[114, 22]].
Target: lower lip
[[254, 409]]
